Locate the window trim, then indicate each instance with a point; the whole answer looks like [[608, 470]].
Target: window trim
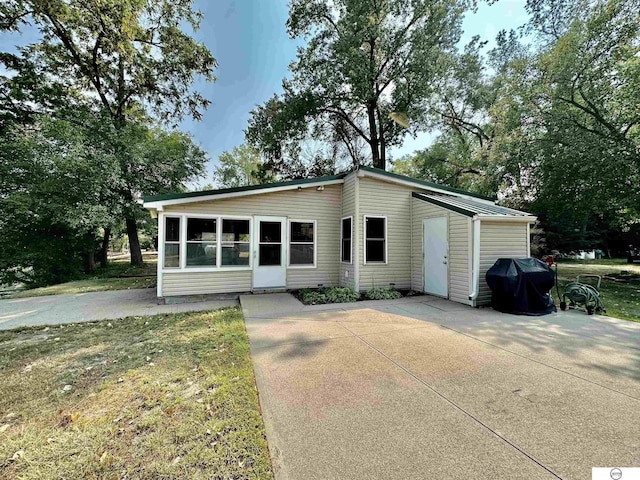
[[183, 244], [187, 242], [386, 239], [219, 265], [171, 242], [315, 244], [350, 262]]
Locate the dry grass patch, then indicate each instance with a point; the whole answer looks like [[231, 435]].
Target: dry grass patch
[[166, 396]]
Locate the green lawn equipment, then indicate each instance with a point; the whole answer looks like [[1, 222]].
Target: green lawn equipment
[[582, 294]]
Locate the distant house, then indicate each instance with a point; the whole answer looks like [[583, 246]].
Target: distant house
[[364, 228]]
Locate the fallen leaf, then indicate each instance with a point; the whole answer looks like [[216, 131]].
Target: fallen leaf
[[103, 457], [17, 455], [67, 388], [176, 461], [4, 428], [49, 441]]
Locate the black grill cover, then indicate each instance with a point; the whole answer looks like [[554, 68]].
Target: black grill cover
[[521, 286]]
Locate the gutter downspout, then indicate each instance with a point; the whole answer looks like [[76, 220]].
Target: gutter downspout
[[475, 288], [356, 231], [160, 253]]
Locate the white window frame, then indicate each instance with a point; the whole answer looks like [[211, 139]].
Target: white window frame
[[386, 239], [183, 244], [222, 218], [187, 242], [315, 244], [350, 262], [171, 242]]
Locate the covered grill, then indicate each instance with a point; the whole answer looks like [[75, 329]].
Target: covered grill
[[521, 286]]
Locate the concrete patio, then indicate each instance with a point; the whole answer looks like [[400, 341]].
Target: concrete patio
[[424, 388], [83, 307]]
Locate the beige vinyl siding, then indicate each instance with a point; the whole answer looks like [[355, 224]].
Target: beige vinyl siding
[[308, 203], [198, 283], [459, 249], [347, 271], [499, 240], [393, 201]]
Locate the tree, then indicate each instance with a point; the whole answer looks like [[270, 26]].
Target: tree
[[238, 168], [368, 67], [55, 194], [130, 55], [59, 180]]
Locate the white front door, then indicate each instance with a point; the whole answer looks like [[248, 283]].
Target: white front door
[[269, 254], [436, 256]]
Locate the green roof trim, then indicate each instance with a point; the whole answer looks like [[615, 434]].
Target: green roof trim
[[425, 183], [222, 191], [461, 211]]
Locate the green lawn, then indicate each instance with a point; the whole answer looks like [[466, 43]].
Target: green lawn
[[118, 275], [166, 396], [622, 300]]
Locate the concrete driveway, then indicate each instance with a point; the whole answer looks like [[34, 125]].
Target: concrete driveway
[[82, 307], [425, 388]]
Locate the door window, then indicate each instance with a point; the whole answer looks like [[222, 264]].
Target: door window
[[270, 248]]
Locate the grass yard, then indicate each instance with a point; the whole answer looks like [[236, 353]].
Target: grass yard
[[622, 300], [118, 275], [166, 396]]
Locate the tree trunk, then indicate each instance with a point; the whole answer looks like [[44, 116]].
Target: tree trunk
[[383, 146], [105, 247], [134, 242], [374, 143], [89, 263]]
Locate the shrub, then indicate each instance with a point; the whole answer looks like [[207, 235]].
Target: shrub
[[328, 295], [341, 295], [382, 293]]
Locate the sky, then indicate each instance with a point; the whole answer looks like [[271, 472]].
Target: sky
[[249, 40]]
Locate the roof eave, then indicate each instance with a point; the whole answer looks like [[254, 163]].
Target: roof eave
[[158, 204], [507, 218], [422, 184]]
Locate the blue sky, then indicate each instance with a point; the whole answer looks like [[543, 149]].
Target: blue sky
[[250, 42]]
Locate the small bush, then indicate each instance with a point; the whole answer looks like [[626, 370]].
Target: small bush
[[341, 295], [382, 293], [328, 295]]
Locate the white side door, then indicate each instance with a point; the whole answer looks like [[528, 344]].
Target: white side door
[[269, 254], [436, 256]]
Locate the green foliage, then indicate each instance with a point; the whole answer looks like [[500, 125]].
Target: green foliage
[[363, 63], [240, 167], [61, 182], [383, 293], [328, 295], [126, 61]]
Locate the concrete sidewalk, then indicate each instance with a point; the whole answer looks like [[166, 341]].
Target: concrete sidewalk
[[54, 309], [423, 388]]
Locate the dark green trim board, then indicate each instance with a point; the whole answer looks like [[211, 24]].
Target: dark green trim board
[[303, 181], [222, 191], [461, 211], [425, 183]]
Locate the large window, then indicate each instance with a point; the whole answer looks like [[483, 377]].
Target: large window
[[235, 243], [302, 243], [206, 242], [347, 232], [172, 242], [202, 244], [375, 239]]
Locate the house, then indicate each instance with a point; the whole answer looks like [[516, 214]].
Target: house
[[364, 228]]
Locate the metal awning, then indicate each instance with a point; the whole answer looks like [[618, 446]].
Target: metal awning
[[473, 208]]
